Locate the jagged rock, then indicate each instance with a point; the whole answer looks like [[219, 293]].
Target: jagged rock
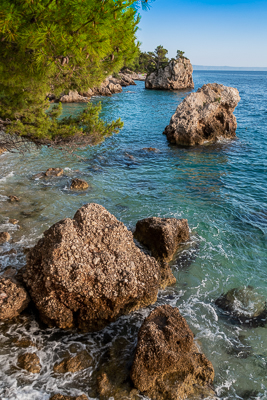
[[168, 364], [162, 235], [204, 116], [244, 305], [24, 343], [126, 80], [73, 97], [51, 172], [4, 237], [2, 150], [30, 362], [89, 266], [13, 221], [133, 75], [62, 397], [79, 184], [176, 76], [13, 298], [13, 198], [81, 361]]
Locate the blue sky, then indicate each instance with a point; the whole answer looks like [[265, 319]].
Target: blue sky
[[217, 33]]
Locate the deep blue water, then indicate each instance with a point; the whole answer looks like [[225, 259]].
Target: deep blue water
[[220, 189]]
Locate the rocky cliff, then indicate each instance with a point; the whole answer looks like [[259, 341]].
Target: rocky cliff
[[204, 116], [176, 76]]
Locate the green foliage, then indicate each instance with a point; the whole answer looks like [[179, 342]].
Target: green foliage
[[57, 45], [180, 54], [150, 61]]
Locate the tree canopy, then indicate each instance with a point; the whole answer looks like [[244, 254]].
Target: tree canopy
[[59, 45]]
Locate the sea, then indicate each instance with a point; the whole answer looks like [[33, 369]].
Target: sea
[[221, 189]]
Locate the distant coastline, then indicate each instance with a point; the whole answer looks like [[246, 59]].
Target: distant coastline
[[216, 68]]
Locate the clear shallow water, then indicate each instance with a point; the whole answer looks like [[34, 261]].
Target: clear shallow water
[[220, 189]]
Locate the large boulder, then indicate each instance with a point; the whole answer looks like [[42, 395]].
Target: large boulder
[[244, 305], [162, 235], [72, 96], [13, 298], [204, 116], [176, 76], [168, 364], [30, 362], [88, 271]]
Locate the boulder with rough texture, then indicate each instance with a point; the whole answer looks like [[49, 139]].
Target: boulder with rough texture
[[13, 298], [162, 235], [4, 237], [168, 364], [77, 363], [13, 198], [72, 96], [30, 362], [244, 305], [2, 150], [204, 116], [51, 172], [79, 184], [62, 397], [89, 267], [176, 76]]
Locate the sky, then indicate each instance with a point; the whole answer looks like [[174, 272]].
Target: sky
[[211, 33]]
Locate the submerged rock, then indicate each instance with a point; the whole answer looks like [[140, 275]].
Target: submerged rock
[[77, 363], [51, 172], [13, 298], [176, 76], [79, 184], [204, 116], [30, 362], [244, 305], [168, 364], [4, 237], [13, 198], [162, 235], [89, 268], [62, 397]]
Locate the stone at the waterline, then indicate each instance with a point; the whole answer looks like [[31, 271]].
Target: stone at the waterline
[[245, 305], [79, 184], [79, 362], [168, 364], [13, 198], [2, 150], [162, 236], [151, 149], [30, 362], [176, 76], [4, 237], [63, 397], [204, 116], [13, 298], [50, 172], [89, 267], [13, 221], [24, 343]]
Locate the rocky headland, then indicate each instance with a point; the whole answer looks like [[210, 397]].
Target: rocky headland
[[176, 76], [204, 116]]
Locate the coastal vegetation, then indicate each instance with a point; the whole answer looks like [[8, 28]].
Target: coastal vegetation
[[60, 45]]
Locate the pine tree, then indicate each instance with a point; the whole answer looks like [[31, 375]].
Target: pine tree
[[60, 44]]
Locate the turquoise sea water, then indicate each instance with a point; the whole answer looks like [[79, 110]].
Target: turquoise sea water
[[220, 189]]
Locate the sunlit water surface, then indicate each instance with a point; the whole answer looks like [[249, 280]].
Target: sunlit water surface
[[220, 189]]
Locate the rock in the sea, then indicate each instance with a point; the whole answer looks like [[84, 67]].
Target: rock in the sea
[[176, 76], [204, 116], [89, 267], [168, 364], [2, 150], [62, 397], [79, 184], [51, 172], [13, 198], [13, 298], [4, 237], [77, 363], [244, 305], [162, 235], [30, 362], [13, 221]]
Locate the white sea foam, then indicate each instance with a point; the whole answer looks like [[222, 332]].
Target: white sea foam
[[7, 176]]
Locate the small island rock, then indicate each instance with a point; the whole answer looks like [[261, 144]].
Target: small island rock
[[167, 363], [79, 184], [30, 362], [13, 298], [176, 76], [89, 267], [204, 116], [4, 237], [162, 235]]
